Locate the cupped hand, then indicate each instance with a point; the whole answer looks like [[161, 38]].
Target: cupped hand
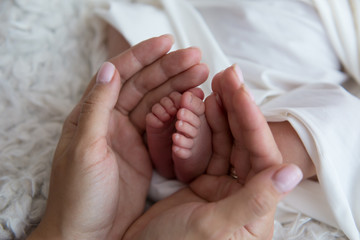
[[219, 208], [101, 168], [216, 205], [250, 145]]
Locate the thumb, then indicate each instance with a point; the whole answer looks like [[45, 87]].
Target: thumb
[[98, 105], [257, 198]]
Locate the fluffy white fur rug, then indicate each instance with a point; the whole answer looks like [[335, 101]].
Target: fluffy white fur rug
[[49, 51]]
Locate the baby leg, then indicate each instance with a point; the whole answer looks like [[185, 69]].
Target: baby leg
[[192, 140]]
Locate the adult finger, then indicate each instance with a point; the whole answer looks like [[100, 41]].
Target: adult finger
[[137, 57], [221, 136], [141, 55], [188, 79], [68, 130], [258, 197], [252, 133], [154, 75], [254, 145], [130, 62], [226, 84], [98, 105]]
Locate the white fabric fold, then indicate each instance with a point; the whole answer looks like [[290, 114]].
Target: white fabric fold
[[336, 160], [342, 22]]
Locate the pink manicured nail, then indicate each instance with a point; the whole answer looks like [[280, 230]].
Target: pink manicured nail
[[238, 73], [106, 73], [287, 178], [249, 93], [218, 99]]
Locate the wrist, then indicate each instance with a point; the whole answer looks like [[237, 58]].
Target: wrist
[[292, 148]]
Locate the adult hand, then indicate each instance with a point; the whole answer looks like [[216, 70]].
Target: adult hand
[[217, 206], [253, 148], [101, 168], [250, 146]]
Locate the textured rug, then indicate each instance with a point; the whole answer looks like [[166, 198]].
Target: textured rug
[[48, 52]]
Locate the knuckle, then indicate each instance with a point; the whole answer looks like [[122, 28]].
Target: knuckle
[[87, 106], [260, 204]]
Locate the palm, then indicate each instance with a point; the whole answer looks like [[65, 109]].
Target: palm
[[101, 168], [195, 215], [115, 179], [133, 168], [216, 188], [127, 123]]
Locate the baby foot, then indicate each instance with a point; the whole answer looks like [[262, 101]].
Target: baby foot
[[160, 125], [191, 150], [179, 138]]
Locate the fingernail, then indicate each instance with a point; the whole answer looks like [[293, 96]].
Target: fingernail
[[238, 73], [106, 73], [218, 99], [169, 36], [249, 93], [287, 178]]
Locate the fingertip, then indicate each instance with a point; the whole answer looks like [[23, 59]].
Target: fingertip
[[195, 53], [168, 36], [218, 100], [105, 73], [206, 68], [165, 42], [197, 50], [238, 73], [203, 73], [248, 93], [97, 105], [215, 83], [287, 178], [226, 83], [232, 78]]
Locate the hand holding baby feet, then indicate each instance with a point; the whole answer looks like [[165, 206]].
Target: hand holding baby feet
[[254, 148], [160, 125]]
